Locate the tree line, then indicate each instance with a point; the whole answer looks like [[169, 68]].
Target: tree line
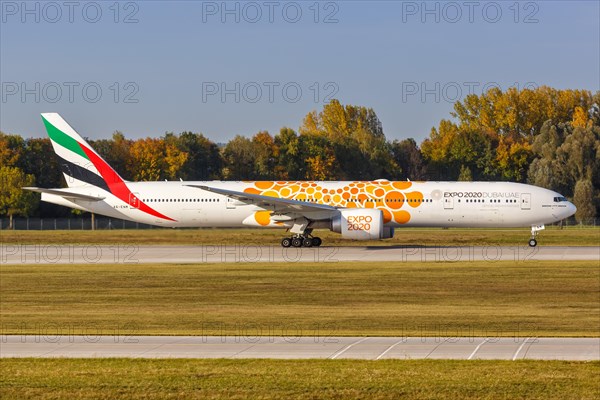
[[544, 136]]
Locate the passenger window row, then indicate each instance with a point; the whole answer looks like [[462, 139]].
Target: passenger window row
[[180, 200], [491, 201]]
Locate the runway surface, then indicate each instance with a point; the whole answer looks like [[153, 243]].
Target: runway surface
[[112, 254], [370, 348]]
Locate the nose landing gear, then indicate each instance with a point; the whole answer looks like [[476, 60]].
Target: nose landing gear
[[535, 229]]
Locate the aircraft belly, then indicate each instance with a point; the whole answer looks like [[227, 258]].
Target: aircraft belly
[[480, 218], [212, 217]]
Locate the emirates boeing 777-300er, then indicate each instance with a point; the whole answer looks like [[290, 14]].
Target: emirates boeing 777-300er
[[359, 210]]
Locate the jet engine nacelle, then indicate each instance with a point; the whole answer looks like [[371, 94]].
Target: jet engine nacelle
[[361, 224]]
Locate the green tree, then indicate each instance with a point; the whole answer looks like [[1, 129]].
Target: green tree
[[520, 113], [14, 200], [594, 110], [465, 174], [319, 158], [239, 159], [513, 158], [290, 165], [579, 153], [495, 135], [567, 158], [409, 159], [583, 198], [266, 154], [35, 161], [355, 135], [450, 148], [116, 152], [39, 160], [436, 151], [204, 160], [545, 170]]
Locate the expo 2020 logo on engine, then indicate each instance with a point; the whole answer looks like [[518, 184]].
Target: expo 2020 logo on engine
[[359, 222]]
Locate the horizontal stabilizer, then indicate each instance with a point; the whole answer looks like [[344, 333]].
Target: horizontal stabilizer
[[65, 194]]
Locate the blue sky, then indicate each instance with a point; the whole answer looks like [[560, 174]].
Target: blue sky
[[167, 68]]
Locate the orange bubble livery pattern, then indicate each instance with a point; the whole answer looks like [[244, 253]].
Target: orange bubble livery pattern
[[394, 199]]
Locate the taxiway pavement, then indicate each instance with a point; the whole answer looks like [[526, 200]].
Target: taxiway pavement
[[370, 348], [111, 254]]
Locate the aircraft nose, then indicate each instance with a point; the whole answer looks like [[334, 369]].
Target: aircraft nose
[[571, 209]]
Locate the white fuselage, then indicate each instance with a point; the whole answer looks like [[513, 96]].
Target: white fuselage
[[421, 204]]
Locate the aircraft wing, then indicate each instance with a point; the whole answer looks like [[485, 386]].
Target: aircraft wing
[[268, 201], [66, 194]]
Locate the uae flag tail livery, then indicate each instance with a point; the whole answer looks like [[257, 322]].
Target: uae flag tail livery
[[83, 167]]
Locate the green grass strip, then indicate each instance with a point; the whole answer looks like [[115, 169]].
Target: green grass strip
[[302, 379], [523, 299]]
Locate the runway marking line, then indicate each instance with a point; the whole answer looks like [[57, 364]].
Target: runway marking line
[[339, 353], [242, 351], [436, 347], [535, 340], [519, 349], [477, 349], [389, 348], [59, 347]]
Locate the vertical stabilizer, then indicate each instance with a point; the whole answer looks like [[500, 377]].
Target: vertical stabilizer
[[80, 164]]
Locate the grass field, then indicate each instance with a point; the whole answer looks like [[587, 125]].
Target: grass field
[[533, 298], [569, 236], [306, 379]]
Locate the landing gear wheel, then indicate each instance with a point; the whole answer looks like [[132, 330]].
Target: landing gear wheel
[[286, 242], [316, 241], [535, 230], [307, 242], [297, 242]]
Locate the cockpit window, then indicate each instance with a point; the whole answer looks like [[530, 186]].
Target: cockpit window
[[559, 199]]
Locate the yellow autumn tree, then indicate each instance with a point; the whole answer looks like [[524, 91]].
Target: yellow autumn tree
[[11, 147], [146, 162], [436, 148], [580, 118], [174, 160], [320, 167], [513, 158], [152, 159], [355, 135]]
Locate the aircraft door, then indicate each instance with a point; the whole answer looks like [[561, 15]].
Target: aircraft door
[[134, 202], [230, 203], [525, 201], [448, 203]]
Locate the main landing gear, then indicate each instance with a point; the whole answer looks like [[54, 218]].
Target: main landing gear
[[535, 229], [301, 241]]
